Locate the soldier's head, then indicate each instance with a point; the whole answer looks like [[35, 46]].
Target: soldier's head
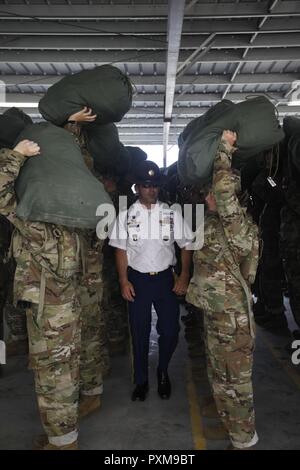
[[147, 182]]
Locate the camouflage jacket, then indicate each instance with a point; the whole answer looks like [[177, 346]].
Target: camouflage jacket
[[40, 249], [230, 245]]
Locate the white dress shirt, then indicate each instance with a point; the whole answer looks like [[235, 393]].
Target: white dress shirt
[[148, 236]]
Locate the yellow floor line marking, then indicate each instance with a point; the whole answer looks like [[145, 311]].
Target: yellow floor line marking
[[289, 369], [195, 414]]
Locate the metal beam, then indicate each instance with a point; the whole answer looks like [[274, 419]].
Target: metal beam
[[86, 43], [129, 121], [196, 55], [146, 27], [147, 130], [79, 12], [179, 112], [116, 42], [215, 10], [139, 80], [175, 21], [142, 98], [145, 140], [150, 57]]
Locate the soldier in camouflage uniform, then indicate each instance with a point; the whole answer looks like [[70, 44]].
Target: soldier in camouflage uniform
[[48, 266], [47, 263], [94, 357], [223, 271]]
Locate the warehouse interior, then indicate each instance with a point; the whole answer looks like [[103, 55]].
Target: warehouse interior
[[182, 57]]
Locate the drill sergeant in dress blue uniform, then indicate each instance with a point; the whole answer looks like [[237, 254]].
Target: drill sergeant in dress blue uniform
[[144, 239]]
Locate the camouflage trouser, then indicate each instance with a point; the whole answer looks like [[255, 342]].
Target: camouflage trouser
[[229, 348], [54, 348], [94, 359]]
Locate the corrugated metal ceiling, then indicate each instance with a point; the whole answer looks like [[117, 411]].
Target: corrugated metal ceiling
[[228, 49]]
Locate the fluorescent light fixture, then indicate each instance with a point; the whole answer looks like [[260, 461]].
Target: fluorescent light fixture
[[5, 104], [294, 103]]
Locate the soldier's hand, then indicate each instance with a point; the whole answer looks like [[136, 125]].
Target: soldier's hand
[[230, 137], [27, 148], [85, 115], [127, 291]]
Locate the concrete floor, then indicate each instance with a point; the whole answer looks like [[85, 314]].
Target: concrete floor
[[174, 424]]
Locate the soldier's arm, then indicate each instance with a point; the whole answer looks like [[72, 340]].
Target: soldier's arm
[[231, 214], [127, 288], [11, 162]]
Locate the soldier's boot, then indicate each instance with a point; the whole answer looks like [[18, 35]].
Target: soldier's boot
[[215, 433], [210, 411], [231, 447], [41, 442], [72, 446], [17, 347], [89, 404]]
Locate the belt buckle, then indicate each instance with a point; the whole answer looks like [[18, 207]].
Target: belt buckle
[[152, 274]]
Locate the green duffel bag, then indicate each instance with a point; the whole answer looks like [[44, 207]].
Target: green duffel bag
[[12, 122], [105, 89], [197, 144], [199, 123], [257, 128], [109, 154], [291, 125], [57, 186]]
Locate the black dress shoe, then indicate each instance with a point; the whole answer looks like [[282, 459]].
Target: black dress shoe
[[140, 392], [163, 384]]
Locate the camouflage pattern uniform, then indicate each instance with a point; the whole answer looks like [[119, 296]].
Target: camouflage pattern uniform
[[94, 360], [223, 270], [47, 263]]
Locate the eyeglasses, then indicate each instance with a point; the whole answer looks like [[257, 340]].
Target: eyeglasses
[[149, 185]]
